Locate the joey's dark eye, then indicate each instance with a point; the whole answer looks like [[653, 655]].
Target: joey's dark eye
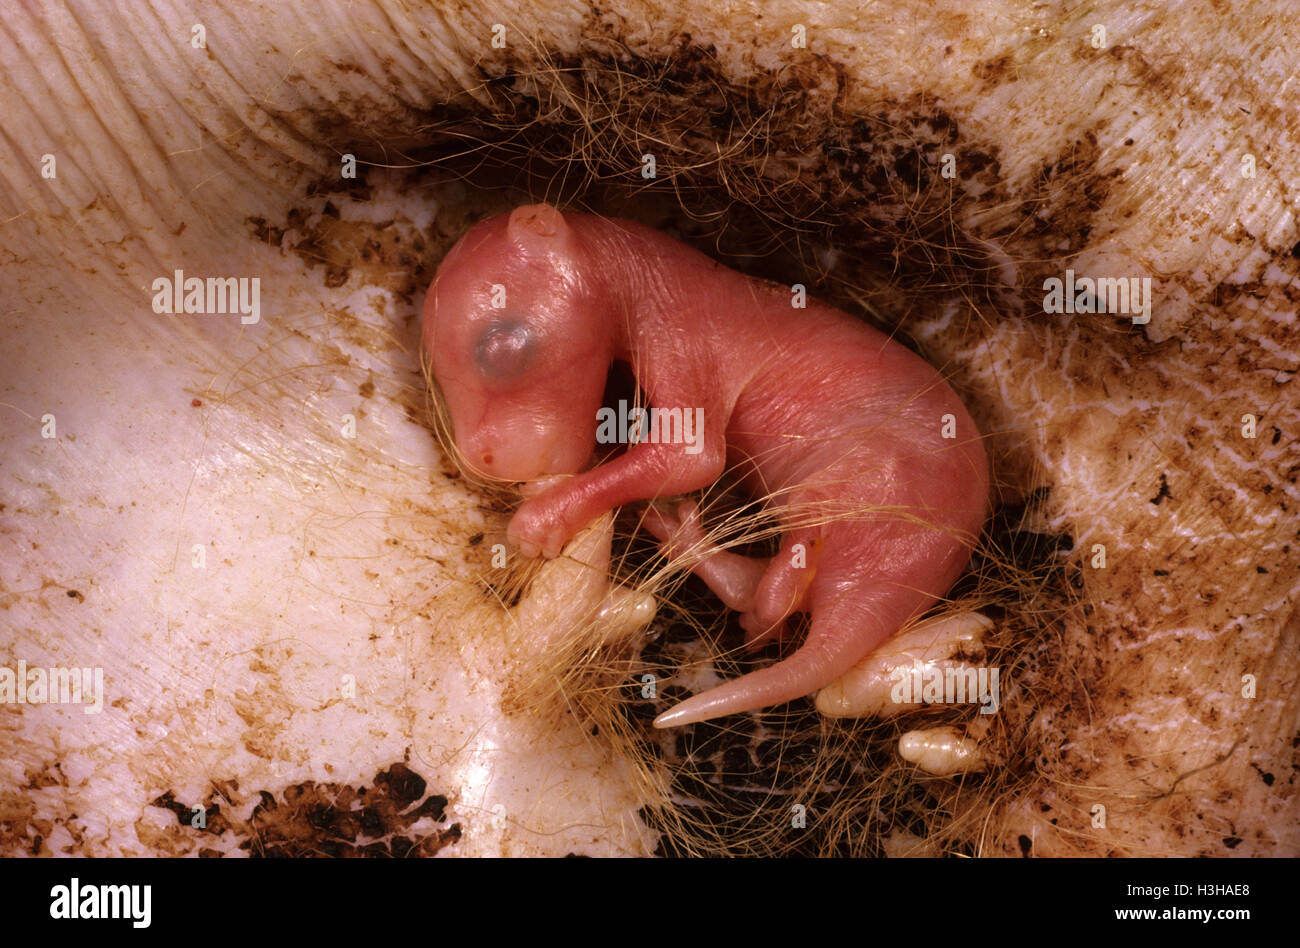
[[505, 348]]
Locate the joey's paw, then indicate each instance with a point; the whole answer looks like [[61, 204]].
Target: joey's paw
[[538, 530]]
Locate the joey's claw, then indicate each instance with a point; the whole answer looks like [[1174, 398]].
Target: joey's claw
[[536, 533], [527, 550], [521, 540]]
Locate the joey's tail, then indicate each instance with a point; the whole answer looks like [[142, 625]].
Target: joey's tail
[[843, 632]]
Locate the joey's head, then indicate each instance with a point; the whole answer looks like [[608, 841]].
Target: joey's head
[[520, 346]]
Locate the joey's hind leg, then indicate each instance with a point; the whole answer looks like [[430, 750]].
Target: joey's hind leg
[[784, 586], [763, 591]]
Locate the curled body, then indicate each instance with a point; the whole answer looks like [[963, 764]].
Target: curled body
[[867, 459]]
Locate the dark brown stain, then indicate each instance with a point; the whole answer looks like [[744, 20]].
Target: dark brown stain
[[380, 254], [772, 167], [322, 819], [23, 829], [1163, 492], [994, 71]]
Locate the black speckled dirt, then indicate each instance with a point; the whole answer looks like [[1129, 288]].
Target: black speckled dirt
[[395, 817]]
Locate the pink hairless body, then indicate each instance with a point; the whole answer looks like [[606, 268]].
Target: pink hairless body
[[869, 461]]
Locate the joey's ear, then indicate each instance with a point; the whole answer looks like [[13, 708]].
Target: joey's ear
[[538, 227]]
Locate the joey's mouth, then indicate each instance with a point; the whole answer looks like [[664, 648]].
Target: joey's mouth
[[509, 462]]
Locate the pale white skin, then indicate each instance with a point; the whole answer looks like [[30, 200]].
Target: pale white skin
[[233, 671]]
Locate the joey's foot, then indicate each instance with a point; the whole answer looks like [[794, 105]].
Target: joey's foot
[[733, 578], [678, 534]]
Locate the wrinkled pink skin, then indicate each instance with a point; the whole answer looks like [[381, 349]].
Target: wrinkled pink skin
[[817, 407]]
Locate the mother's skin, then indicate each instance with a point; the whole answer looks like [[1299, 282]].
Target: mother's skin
[[324, 555]]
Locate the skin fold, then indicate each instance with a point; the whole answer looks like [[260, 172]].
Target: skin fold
[[333, 541], [858, 435]]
